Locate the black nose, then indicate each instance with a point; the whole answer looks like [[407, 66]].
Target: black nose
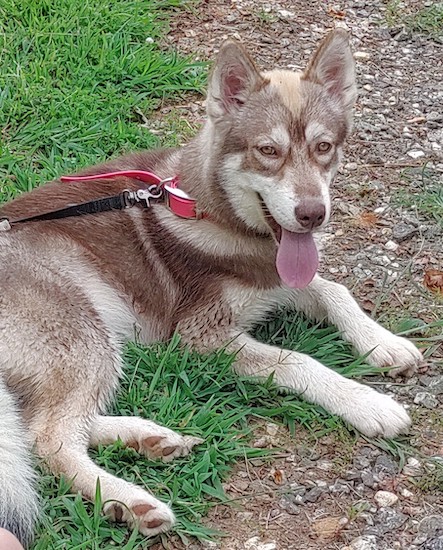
[[310, 213]]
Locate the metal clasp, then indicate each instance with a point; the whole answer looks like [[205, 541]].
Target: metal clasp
[[4, 224], [142, 196]]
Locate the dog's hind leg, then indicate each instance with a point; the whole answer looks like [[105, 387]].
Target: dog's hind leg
[[62, 441], [144, 436], [64, 363]]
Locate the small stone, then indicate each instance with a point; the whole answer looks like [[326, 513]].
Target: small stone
[[406, 493], [368, 479], [431, 525], [367, 542], [352, 475], [426, 399], [340, 486], [262, 443], [314, 494], [385, 498], [412, 468], [382, 260], [415, 154], [434, 544], [402, 231], [286, 14], [325, 465], [255, 543], [321, 483], [391, 245], [361, 56], [271, 429], [388, 519], [351, 166], [290, 504], [436, 385]]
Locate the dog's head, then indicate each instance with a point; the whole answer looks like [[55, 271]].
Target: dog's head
[[279, 137]]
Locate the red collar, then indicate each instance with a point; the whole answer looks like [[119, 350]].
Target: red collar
[[176, 199]]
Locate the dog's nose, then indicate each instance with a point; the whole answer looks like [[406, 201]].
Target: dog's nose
[[310, 214]]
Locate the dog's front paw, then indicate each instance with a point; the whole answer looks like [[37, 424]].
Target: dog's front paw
[[374, 413], [389, 350]]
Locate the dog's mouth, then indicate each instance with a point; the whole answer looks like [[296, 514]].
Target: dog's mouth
[[297, 256]]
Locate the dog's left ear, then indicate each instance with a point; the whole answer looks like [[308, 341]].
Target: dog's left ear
[[332, 66], [233, 78]]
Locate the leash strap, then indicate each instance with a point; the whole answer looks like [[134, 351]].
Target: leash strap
[[124, 200]]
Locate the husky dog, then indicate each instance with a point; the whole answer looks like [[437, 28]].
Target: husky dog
[[72, 290]]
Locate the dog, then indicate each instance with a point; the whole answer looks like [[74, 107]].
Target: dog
[[234, 237]]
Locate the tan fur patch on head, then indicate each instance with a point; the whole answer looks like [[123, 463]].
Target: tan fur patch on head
[[288, 86]]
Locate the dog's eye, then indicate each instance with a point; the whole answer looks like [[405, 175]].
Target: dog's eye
[[268, 151], [324, 147]]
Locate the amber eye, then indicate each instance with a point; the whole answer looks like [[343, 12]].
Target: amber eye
[[268, 151], [324, 147]]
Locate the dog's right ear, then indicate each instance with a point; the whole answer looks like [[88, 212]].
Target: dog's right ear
[[232, 80]]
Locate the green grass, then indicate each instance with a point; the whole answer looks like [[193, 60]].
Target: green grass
[[74, 77], [428, 20], [427, 197]]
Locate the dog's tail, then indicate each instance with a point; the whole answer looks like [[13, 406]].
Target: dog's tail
[[18, 496]]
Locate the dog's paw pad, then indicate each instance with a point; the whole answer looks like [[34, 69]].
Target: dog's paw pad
[[141, 509], [115, 511], [168, 446], [150, 518]]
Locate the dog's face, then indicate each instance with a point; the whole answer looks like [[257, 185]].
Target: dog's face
[[280, 135]]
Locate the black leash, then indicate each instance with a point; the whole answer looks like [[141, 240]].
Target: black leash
[[126, 199]]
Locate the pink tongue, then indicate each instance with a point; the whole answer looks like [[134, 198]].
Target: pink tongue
[[297, 258]]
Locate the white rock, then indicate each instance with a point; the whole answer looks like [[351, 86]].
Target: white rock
[[361, 55], [286, 13], [385, 499], [426, 399], [406, 493], [415, 154], [366, 542], [412, 468], [255, 544], [271, 428], [391, 245]]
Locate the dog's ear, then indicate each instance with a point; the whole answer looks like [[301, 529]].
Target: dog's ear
[[232, 80], [332, 66]]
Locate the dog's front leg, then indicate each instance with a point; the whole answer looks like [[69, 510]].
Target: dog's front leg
[[369, 411], [331, 300]]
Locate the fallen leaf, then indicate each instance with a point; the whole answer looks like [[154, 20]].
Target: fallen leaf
[[433, 280], [338, 14], [278, 476], [365, 219]]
